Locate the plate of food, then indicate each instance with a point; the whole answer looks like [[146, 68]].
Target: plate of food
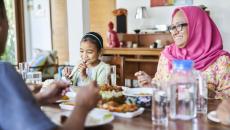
[[213, 117], [67, 105], [63, 99], [138, 92], [96, 117], [124, 110], [114, 100], [111, 93]]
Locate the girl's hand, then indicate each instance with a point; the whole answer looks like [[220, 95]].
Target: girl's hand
[[82, 69], [66, 72], [144, 79]]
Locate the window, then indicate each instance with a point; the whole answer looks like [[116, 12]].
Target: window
[[10, 51]]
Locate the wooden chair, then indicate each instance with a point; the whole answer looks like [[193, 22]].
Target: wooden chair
[[119, 61]]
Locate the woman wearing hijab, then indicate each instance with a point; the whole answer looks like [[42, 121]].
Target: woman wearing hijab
[[196, 38]]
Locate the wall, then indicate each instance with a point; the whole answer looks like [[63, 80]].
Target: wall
[[38, 29], [60, 29], [100, 15], [221, 15], [78, 25], [38, 26], [162, 15]]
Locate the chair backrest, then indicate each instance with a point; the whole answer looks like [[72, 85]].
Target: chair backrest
[[119, 62]]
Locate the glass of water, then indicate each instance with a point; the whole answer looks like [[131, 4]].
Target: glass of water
[[23, 69], [111, 75], [160, 105], [34, 77], [202, 94]]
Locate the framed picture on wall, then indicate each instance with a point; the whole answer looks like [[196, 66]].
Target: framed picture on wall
[[161, 2], [155, 3], [183, 2]]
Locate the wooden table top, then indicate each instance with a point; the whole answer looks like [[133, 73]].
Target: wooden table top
[[143, 122]]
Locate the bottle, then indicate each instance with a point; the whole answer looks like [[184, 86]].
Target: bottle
[[183, 89]]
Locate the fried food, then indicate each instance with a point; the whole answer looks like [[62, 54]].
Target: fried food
[[111, 93], [64, 97], [69, 103], [107, 87], [114, 100], [116, 107]]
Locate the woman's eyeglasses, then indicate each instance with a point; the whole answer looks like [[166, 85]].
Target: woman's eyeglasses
[[177, 27]]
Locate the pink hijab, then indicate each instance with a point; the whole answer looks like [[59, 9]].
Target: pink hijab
[[204, 44]]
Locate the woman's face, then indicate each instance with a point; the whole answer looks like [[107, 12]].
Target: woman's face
[[179, 29], [89, 53]]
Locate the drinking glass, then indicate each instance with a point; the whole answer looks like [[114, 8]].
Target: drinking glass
[[160, 105], [23, 69], [111, 75], [202, 94], [128, 83], [34, 77]]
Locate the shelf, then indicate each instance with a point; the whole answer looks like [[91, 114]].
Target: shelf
[[132, 51], [141, 60]]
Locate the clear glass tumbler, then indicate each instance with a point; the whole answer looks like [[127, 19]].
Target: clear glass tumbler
[[160, 105]]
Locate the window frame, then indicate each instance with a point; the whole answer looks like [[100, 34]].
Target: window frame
[[20, 31]]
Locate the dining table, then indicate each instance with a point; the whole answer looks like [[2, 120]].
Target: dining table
[[144, 122]]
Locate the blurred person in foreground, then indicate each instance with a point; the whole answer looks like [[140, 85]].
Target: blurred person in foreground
[[20, 110]]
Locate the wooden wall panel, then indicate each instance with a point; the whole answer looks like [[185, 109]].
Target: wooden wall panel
[[100, 15], [60, 29]]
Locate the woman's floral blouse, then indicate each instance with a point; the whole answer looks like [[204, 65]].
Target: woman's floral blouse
[[217, 75]]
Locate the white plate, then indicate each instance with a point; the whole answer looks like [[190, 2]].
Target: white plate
[[139, 111], [138, 92], [129, 114], [213, 117], [66, 106], [71, 95], [60, 101], [96, 117]]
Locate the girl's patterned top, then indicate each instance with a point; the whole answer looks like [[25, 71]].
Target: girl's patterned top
[[98, 73], [217, 75]]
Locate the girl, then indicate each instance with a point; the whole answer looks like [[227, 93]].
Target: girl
[[90, 67]]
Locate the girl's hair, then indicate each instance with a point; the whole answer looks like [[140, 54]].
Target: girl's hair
[[94, 38]]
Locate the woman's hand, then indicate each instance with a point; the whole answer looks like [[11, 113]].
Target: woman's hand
[[223, 112], [143, 78], [52, 93]]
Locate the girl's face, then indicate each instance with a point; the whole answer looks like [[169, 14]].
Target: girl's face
[[89, 53], [179, 29]]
